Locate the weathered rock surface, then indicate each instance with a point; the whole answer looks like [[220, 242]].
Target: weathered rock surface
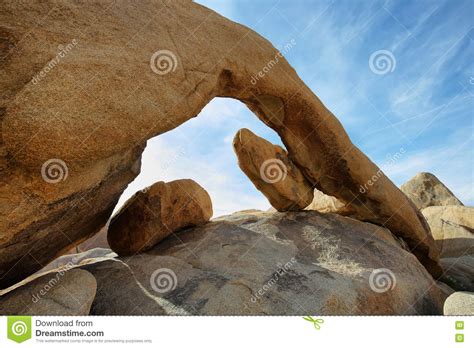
[[156, 212], [68, 292], [445, 288], [453, 230], [458, 272], [99, 240], [37, 227], [426, 190], [459, 303], [94, 101], [272, 172], [270, 263]]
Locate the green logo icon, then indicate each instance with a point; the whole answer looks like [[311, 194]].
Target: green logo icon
[[460, 325], [19, 328], [459, 338], [316, 322]]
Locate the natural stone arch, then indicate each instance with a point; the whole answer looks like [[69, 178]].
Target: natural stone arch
[[96, 109]]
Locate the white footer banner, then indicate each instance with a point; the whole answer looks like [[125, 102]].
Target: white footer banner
[[160, 331]]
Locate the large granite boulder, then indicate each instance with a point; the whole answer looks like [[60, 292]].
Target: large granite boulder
[[258, 263], [426, 190], [80, 96], [272, 172], [155, 212]]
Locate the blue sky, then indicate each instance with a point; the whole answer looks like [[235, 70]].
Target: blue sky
[[423, 107]]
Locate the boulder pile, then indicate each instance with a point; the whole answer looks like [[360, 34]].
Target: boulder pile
[[72, 136], [260, 263]]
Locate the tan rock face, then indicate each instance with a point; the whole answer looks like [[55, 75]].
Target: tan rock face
[[272, 172], [36, 227], [57, 293], [93, 102], [426, 190], [453, 230], [154, 213]]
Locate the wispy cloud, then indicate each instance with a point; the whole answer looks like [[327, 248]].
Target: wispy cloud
[[447, 161]]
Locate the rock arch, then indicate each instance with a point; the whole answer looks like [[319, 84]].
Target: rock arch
[[96, 108]]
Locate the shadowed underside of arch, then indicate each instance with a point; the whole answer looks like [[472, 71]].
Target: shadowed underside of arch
[[134, 72]]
